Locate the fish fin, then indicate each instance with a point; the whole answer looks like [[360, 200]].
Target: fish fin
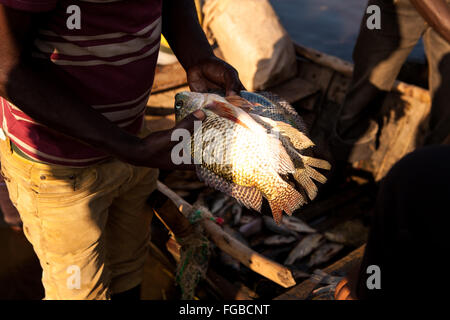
[[235, 114], [298, 139], [303, 172], [315, 174], [225, 111], [288, 200], [277, 149], [239, 102], [302, 177], [287, 109], [283, 161], [316, 163], [249, 197]]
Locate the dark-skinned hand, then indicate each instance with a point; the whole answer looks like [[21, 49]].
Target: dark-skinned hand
[[214, 74]]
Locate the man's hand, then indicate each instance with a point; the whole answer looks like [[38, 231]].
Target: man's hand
[[212, 74], [156, 149], [188, 41]]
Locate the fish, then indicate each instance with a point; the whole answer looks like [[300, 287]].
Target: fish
[[324, 253], [279, 240], [297, 225], [218, 203], [304, 247], [349, 233], [276, 228], [246, 151], [251, 228], [236, 211]]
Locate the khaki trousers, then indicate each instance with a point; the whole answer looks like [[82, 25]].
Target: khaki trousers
[[88, 226]]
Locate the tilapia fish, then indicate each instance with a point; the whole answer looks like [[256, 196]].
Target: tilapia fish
[[251, 147]]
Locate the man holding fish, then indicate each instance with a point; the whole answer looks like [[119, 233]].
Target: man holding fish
[[73, 155]]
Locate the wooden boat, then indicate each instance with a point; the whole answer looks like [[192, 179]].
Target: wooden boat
[[317, 92]]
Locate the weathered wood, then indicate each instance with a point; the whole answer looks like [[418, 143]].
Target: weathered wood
[[248, 257], [346, 68], [400, 135], [320, 76], [294, 89], [304, 289]]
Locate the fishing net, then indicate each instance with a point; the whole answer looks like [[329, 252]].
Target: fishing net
[[194, 255]]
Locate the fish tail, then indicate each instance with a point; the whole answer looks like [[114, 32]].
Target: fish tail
[[316, 163], [286, 199], [302, 177], [305, 174]]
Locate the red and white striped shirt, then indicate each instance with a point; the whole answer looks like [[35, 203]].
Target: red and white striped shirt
[[109, 63]]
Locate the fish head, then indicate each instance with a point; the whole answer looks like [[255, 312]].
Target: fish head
[[188, 102]]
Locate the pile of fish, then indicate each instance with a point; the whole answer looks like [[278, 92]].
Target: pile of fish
[[292, 242], [253, 147]]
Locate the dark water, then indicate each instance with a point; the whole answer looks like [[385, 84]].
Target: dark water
[[330, 26]]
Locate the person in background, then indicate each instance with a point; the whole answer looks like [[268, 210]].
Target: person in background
[[74, 84], [408, 231], [378, 57]]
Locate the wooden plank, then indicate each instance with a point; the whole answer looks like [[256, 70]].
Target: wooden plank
[[346, 68], [294, 89], [228, 244], [402, 120], [315, 74], [338, 88], [303, 290]]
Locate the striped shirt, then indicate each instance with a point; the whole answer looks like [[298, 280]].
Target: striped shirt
[[109, 63]]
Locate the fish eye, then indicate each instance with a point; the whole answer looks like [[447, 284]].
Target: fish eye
[[179, 104]]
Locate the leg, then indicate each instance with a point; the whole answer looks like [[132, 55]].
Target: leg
[[438, 54], [378, 57], [128, 229], [64, 212]]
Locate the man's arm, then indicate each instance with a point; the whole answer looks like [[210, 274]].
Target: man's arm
[[437, 14], [33, 86], [188, 41]]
